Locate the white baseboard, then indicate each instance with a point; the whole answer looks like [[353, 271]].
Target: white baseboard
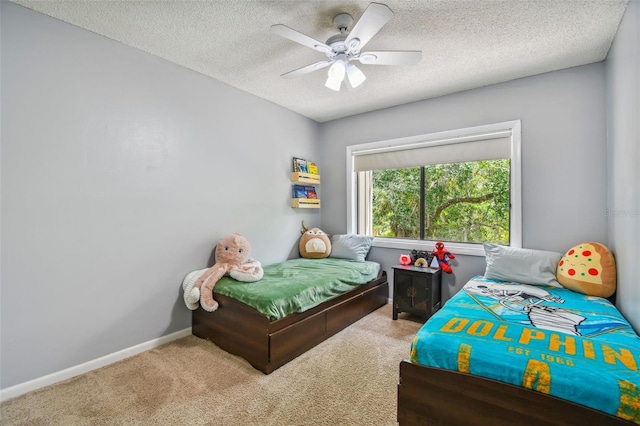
[[70, 372]]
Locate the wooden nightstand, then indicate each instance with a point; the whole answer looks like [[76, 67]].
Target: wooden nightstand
[[416, 290]]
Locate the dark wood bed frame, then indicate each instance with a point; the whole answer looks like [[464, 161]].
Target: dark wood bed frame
[[267, 345], [434, 396]]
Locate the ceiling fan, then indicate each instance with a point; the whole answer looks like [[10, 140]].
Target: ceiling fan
[[345, 48]]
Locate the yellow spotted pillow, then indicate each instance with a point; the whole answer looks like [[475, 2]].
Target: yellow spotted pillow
[[588, 268]]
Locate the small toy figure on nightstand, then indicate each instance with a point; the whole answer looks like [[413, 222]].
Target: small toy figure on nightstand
[[420, 258], [443, 255], [405, 259]]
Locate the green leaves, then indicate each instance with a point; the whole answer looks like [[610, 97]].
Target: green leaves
[[465, 202], [396, 203]]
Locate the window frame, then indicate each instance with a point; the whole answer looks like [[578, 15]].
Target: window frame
[[440, 138]]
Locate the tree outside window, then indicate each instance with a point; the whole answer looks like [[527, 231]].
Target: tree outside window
[[461, 202]]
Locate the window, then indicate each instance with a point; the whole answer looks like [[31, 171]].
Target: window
[[461, 187]]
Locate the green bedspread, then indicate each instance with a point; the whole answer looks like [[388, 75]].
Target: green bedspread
[[297, 285]]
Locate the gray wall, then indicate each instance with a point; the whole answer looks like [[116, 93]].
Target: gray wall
[[563, 142], [623, 159], [120, 171]]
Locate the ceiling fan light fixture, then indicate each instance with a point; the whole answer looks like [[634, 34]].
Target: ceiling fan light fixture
[[336, 75], [356, 77], [333, 84]]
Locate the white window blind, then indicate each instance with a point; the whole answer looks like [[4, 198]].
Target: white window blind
[[454, 150]]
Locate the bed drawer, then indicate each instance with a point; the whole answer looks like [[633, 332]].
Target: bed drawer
[[350, 311], [297, 338]]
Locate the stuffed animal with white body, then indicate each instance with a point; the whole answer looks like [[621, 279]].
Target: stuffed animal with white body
[[232, 258]]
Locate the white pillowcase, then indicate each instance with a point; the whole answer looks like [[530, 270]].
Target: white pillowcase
[[536, 267], [350, 246]]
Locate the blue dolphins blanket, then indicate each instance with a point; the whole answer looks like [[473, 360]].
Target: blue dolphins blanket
[[552, 340]]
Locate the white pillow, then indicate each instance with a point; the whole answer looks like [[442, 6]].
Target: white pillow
[[350, 246], [525, 266]]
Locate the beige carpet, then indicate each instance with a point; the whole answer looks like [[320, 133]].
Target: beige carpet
[[350, 379]]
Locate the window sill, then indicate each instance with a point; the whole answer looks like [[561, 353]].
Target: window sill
[[455, 248]]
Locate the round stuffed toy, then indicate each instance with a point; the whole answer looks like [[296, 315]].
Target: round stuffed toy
[[314, 243], [588, 268]]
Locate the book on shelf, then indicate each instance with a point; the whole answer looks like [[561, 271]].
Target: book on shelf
[[311, 191], [304, 166], [311, 166], [302, 191], [299, 191], [300, 165]]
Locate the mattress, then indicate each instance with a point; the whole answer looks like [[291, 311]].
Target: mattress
[[552, 340], [297, 285]]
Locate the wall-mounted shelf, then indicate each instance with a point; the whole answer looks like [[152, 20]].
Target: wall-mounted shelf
[[301, 177], [305, 203], [304, 195]]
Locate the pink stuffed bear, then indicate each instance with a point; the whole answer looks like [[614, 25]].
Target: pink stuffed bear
[[232, 258]]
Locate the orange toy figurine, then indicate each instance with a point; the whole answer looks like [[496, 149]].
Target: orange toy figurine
[[443, 255]]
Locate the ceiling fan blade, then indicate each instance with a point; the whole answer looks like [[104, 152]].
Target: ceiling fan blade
[[396, 57], [371, 21], [307, 69], [298, 37]]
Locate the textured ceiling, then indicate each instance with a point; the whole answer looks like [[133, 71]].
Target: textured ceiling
[[465, 44]]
